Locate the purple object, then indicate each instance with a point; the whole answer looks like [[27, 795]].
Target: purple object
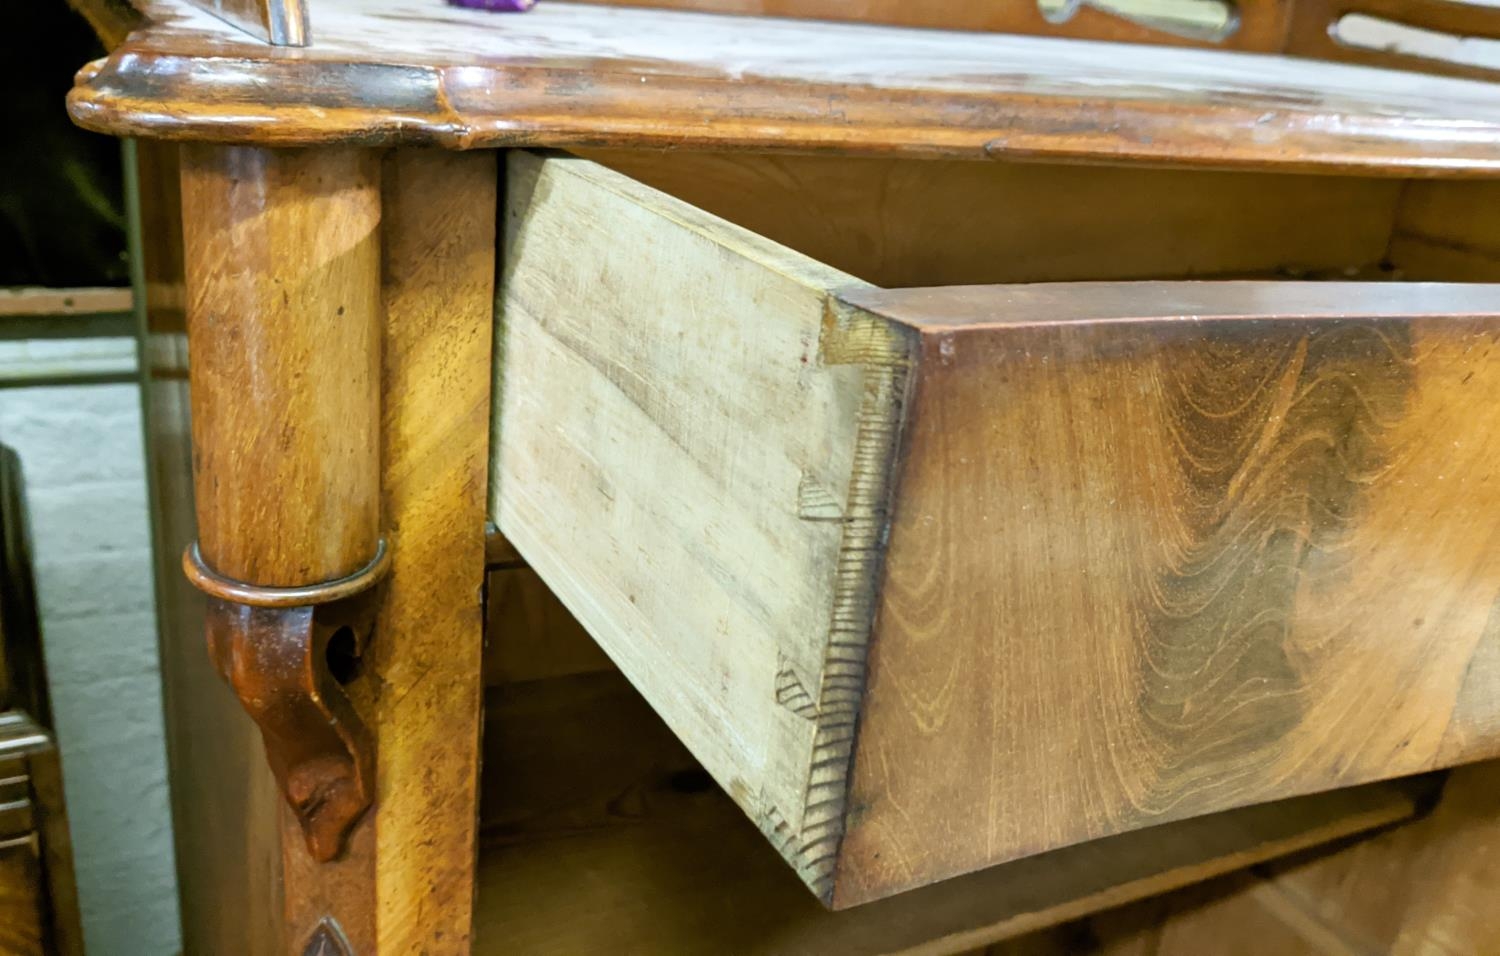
[[506, 6]]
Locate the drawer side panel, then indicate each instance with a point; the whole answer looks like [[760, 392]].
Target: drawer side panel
[[684, 452]]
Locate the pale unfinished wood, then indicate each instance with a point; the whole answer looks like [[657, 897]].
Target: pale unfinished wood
[[602, 835], [1145, 539], [87, 301], [694, 467]]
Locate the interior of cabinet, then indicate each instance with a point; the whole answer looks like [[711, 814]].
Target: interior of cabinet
[[912, 222], [599, 831]]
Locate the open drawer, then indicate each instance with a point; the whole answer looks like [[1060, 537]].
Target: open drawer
[[935, 579]]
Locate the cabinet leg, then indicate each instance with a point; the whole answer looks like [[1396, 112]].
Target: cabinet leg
[[338, 313]]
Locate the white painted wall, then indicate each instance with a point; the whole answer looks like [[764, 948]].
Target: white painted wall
[[81, 452]]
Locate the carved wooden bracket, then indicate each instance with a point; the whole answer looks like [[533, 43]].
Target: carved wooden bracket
[[285, 652], [282, 262]]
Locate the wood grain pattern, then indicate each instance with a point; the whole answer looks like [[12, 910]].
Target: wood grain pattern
[[282, 254], [282, 268], [602, 834], [665, 503], [386, 72], [89, 301], [438, 289], [224, 801], [1151, 557], [899, 222], [1218, 561], [406, 881], [283, 279]]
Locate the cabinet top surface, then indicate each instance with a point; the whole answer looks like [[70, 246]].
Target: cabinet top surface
[[417, 72]]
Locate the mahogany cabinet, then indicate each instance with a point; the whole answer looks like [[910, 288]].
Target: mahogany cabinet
[[938, 485]]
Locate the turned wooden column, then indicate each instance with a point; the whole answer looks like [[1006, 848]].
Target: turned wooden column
[[282, 251]]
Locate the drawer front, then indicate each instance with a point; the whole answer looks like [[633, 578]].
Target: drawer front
[[934, 579], [1160, 549]]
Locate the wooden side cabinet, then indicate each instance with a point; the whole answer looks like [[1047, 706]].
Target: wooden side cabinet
[[38, 899], [39, 913], [923, 487]]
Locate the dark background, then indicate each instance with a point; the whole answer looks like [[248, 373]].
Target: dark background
[[62, 210]]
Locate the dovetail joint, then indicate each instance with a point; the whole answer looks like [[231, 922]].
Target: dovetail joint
[[852, 337]]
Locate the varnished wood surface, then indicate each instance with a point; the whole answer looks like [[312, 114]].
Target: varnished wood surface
[[282, 255], [393, 71], [406, 881], [38, 890], [23, 899], [601, 834], [438, 276], [227, 837], [1155, 553], [283, 280]]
